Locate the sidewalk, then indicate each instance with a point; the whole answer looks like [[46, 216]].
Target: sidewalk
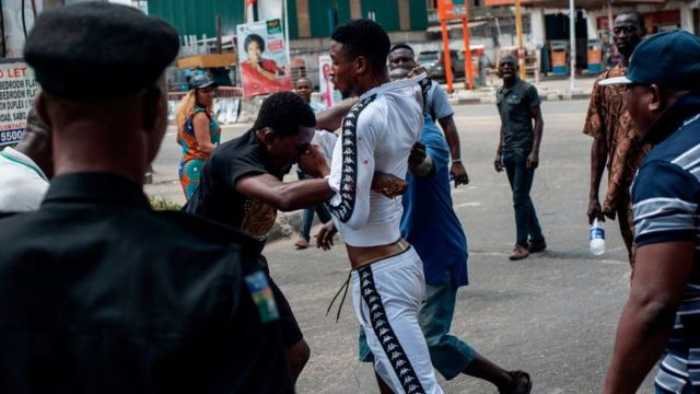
[[551, 89]]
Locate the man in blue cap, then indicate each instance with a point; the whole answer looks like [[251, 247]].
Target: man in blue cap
[[662, 314]]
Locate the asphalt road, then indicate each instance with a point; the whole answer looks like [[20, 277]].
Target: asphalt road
[[553, 315]]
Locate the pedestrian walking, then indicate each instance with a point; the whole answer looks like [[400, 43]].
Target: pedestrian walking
[[25, 170], [519, 153], [661, 319], [304, 88], [198, 132], [98, 292], [616, 141]]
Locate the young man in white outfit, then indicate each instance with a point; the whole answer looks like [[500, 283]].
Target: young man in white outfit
[[377, 135]]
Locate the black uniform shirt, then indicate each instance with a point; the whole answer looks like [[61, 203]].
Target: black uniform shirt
[[515, 107], [100, 294]]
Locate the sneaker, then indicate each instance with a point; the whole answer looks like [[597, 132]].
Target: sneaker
[[537, 246], [301, 244], [521, 383], [519, 252]]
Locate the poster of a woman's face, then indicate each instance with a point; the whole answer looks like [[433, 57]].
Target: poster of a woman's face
[[254, 47], [263, 58]]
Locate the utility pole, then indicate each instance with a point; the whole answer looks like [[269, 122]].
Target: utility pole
[[250, 9], [219, 43], [572, 44], [444, 10], [468, 63], [610, 22], [519, 36]]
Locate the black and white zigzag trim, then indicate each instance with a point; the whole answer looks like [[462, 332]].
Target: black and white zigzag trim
[[348, 181], [385, 334]]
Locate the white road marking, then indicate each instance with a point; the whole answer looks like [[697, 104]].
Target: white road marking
[[468, 204]]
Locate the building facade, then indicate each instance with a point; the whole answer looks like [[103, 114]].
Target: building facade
[[549, 26], [307, 18]]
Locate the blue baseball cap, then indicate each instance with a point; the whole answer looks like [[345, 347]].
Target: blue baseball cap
[[201, 81], [670, 60]]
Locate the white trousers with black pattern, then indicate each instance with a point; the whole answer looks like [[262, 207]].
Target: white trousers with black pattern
[[387, 296]]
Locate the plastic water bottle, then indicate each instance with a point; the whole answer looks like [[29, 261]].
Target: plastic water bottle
[[597, 237]]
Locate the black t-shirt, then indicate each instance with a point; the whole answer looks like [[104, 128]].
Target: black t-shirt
[[216, 197], [515, 107]]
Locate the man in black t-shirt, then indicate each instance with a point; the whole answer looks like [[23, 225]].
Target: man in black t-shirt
[[241, 186], [518, 153]]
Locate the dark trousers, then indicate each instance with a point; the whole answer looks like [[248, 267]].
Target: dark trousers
[[308, 218], [520, 178]]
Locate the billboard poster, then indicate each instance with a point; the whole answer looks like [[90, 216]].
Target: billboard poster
[[263, 58], [17, 91], [329, 95]]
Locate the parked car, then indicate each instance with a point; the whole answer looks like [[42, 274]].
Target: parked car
[[433, 62]]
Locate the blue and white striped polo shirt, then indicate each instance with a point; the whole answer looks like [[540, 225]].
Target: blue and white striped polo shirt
[[666, 195]]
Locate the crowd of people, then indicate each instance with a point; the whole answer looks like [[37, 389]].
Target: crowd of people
[[99, 293]]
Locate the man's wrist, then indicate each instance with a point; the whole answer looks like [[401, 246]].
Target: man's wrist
[[455, 161]]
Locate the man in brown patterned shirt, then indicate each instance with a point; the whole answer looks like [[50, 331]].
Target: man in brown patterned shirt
[[616, 140]]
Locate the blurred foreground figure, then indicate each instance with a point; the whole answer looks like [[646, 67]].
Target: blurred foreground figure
[[98, 293], [661, 318], [25, 169]]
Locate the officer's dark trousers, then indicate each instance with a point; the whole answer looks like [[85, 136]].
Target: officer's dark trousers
[[520, 178]]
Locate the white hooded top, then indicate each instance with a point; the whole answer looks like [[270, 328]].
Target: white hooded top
[[377, 136]]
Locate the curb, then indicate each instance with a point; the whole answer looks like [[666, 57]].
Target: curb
[[544, 97]]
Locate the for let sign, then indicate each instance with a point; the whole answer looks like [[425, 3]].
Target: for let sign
[[17, 91]]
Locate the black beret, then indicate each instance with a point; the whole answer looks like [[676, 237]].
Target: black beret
[[98, 50]]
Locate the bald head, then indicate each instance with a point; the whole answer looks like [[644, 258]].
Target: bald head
[[36, 142], [628, 31]]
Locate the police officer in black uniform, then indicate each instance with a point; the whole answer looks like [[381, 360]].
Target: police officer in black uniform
[[99, 293]]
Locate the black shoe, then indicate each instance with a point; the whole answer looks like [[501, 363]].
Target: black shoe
[[537, 247], [521, 383]]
